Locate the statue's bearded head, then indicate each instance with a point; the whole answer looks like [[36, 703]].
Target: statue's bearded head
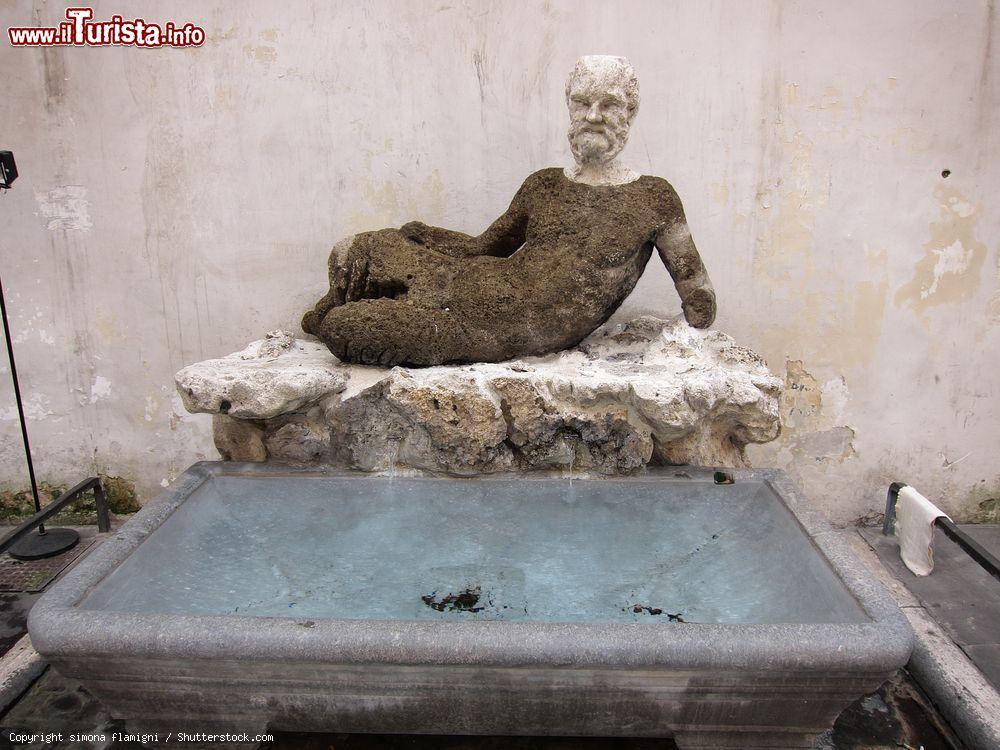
[[602, 94]]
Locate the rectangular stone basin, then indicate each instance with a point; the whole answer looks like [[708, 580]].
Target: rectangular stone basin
[[248, 595]]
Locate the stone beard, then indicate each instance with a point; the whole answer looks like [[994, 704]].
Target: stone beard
[[590, 144], [544, 275]]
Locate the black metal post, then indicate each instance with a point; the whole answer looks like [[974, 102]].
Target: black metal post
[[972, 548], [51, 542], [101, 497], [70, 496], [20, 406], [46, 543], [890, 507]]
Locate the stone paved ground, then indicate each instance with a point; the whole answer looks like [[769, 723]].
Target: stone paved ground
[[960, 594], [897, 716]]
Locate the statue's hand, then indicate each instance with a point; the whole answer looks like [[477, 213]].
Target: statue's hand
[[698, 305], [681, 257]]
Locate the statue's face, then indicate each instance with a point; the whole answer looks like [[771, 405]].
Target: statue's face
[[599, 118]]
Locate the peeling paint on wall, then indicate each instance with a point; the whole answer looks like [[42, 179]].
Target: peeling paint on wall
[[65, 207], [35, 408], [261, 53], [949, 270], [983, 502], [814, 442], [993, 308], [152, 408], [834, 445], [29, 333], [100, 388], [803, 399], [809, 415]]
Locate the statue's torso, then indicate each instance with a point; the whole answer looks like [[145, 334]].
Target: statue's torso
[[601, 225], [585, 248]]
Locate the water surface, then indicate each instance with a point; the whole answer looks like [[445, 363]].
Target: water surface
[[558, 550]]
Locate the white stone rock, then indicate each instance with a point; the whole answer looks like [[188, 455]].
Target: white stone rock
[[645, 391], [276, 375]]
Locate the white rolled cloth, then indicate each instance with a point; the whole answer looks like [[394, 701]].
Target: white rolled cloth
[[915, 516]]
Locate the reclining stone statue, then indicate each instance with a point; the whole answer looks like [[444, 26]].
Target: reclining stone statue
[[542, 277]]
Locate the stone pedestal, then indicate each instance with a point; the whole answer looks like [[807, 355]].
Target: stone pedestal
[[648, 391]]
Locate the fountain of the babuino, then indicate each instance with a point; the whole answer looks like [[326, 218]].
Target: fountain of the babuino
[[513, 529]]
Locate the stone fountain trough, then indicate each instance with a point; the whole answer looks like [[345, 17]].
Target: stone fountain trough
[[664, 604]]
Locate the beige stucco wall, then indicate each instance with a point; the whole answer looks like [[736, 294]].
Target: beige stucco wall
[[174, 204]]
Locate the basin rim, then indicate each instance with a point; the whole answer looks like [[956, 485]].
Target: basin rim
[[61, 631]]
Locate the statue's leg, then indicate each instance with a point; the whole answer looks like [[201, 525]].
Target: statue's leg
[[390, 332], [382, 264]]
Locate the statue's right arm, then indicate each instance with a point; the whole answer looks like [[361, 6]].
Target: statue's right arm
[[501, 239], [680, 256]]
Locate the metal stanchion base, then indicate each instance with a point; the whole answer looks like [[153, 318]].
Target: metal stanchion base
[[35, 546]]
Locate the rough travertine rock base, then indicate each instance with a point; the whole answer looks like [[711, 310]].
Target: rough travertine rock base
[[649, 391]]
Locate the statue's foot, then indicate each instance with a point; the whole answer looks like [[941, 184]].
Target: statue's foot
[[339, 276], [365, 353], [311, 320]]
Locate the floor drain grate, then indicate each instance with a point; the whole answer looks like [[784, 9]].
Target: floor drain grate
[[35, 575]]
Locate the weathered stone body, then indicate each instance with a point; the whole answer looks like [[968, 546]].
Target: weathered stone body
[[553, 268], [549, 271], [645, 392]]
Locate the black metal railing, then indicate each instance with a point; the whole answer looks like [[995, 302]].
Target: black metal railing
[[973, 548], [66, 498]]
